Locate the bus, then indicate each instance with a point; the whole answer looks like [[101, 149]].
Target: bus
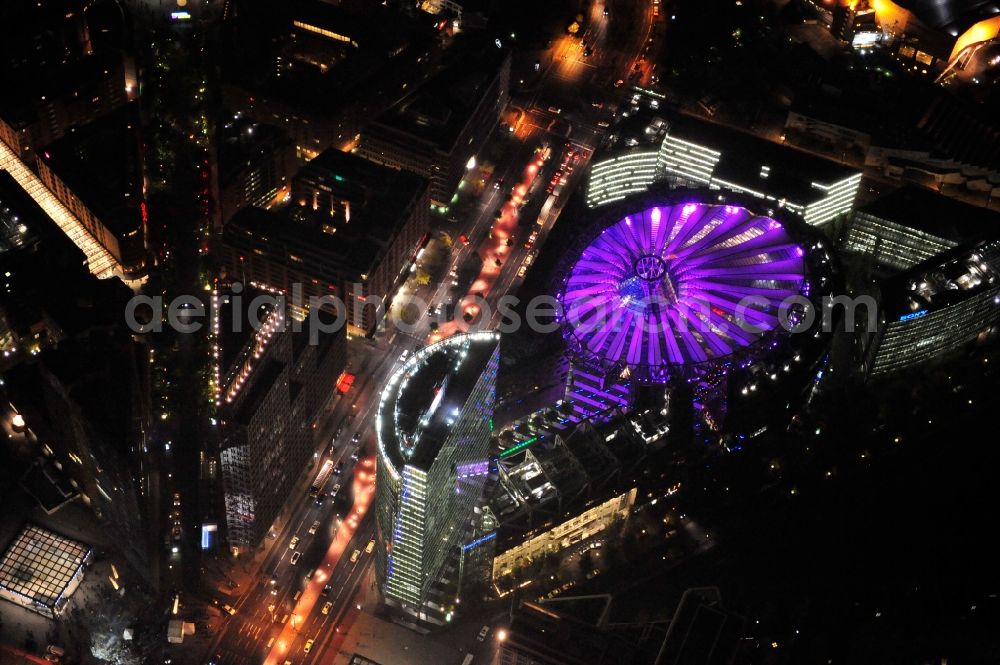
[[320, 481]]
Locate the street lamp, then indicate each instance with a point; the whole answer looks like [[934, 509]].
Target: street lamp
[[501, 635]]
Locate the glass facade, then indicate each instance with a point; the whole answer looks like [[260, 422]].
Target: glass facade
[[893, 245], [41, 569], [913, 341], [434, 428], [937, 308]]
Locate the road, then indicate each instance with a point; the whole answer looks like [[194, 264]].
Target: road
[[562, 108]]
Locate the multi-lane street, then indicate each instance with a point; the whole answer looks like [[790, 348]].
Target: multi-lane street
[[304, 596]]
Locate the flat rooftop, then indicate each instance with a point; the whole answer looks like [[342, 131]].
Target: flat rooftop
[[425, 396], [102, 163], [918, 208], [243, 141], [791, 173], [439, 109], [374, 203], [25, 83], [946, 279], [39, 565]]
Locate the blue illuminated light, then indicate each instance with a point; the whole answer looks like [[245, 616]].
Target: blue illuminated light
[[913, 315], [479, 541]]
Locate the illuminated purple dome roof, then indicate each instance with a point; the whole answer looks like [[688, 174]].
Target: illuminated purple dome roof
[[678, 285]]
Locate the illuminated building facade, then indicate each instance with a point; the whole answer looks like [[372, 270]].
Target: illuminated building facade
[[929, 32], [615, 178], [100, 261], [569, 533], [697, 153], [57, 98], [935, 308], [96, 171], [912, 225], [855, 23], [434, 424], [352, 230], [435, 131], [271, 392]]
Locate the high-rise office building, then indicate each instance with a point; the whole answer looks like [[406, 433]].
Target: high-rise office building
[[271, 390], [912, 224], [935, 308], [434, 424]]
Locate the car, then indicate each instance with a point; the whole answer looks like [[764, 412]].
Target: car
[[356, 437], [555, 109], [284, 619], [522, 271], [587, 52], [606, 11], [354, 556], [483, 632], [336, 488], [270, 643], [619, 83], [295, 558], [314, 528], [309, 646], [229, 609], [327, 589], [464, 239], [293, 542], [370, 546], [309, 575], [326, 608], [603, 123]]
